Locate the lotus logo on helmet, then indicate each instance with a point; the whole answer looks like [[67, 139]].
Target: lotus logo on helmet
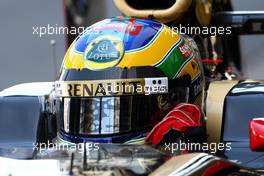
[[103, 52]]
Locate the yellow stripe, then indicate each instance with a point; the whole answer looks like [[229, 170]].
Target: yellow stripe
[[191, 68], [152, 54], [73, 59]]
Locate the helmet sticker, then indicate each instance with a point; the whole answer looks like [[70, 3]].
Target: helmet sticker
[[103, 52], [185, 50]]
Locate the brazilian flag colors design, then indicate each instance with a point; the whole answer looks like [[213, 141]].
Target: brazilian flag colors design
[[128, 42]]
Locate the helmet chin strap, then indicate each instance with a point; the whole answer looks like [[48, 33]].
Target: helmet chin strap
[[163, 15]]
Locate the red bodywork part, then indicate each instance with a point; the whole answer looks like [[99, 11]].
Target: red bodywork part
[[256, 130], [216, 167]]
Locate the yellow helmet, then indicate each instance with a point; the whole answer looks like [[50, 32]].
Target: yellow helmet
[[125, 52]]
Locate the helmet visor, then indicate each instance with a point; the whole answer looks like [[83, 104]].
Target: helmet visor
[[108, 115], [118, 109]]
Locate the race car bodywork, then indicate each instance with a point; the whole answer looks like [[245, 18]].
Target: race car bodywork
[[110, 159], [24, 115], [234, 115], [29, 123]]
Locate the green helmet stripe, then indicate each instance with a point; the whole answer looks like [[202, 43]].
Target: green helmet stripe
[[171, 64]]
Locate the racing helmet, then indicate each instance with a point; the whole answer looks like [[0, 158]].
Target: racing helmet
[[121, 77]]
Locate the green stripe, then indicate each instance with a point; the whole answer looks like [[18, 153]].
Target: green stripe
[[172, 63], [183, 65]]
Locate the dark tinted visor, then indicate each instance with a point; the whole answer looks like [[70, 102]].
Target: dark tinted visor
[[109, 115]]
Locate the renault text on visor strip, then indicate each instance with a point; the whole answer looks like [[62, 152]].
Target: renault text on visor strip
[[113, 87]]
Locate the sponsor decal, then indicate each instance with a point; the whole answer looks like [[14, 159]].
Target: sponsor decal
[[103, 52], [130, 27], [133, 27], [185, 50]]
